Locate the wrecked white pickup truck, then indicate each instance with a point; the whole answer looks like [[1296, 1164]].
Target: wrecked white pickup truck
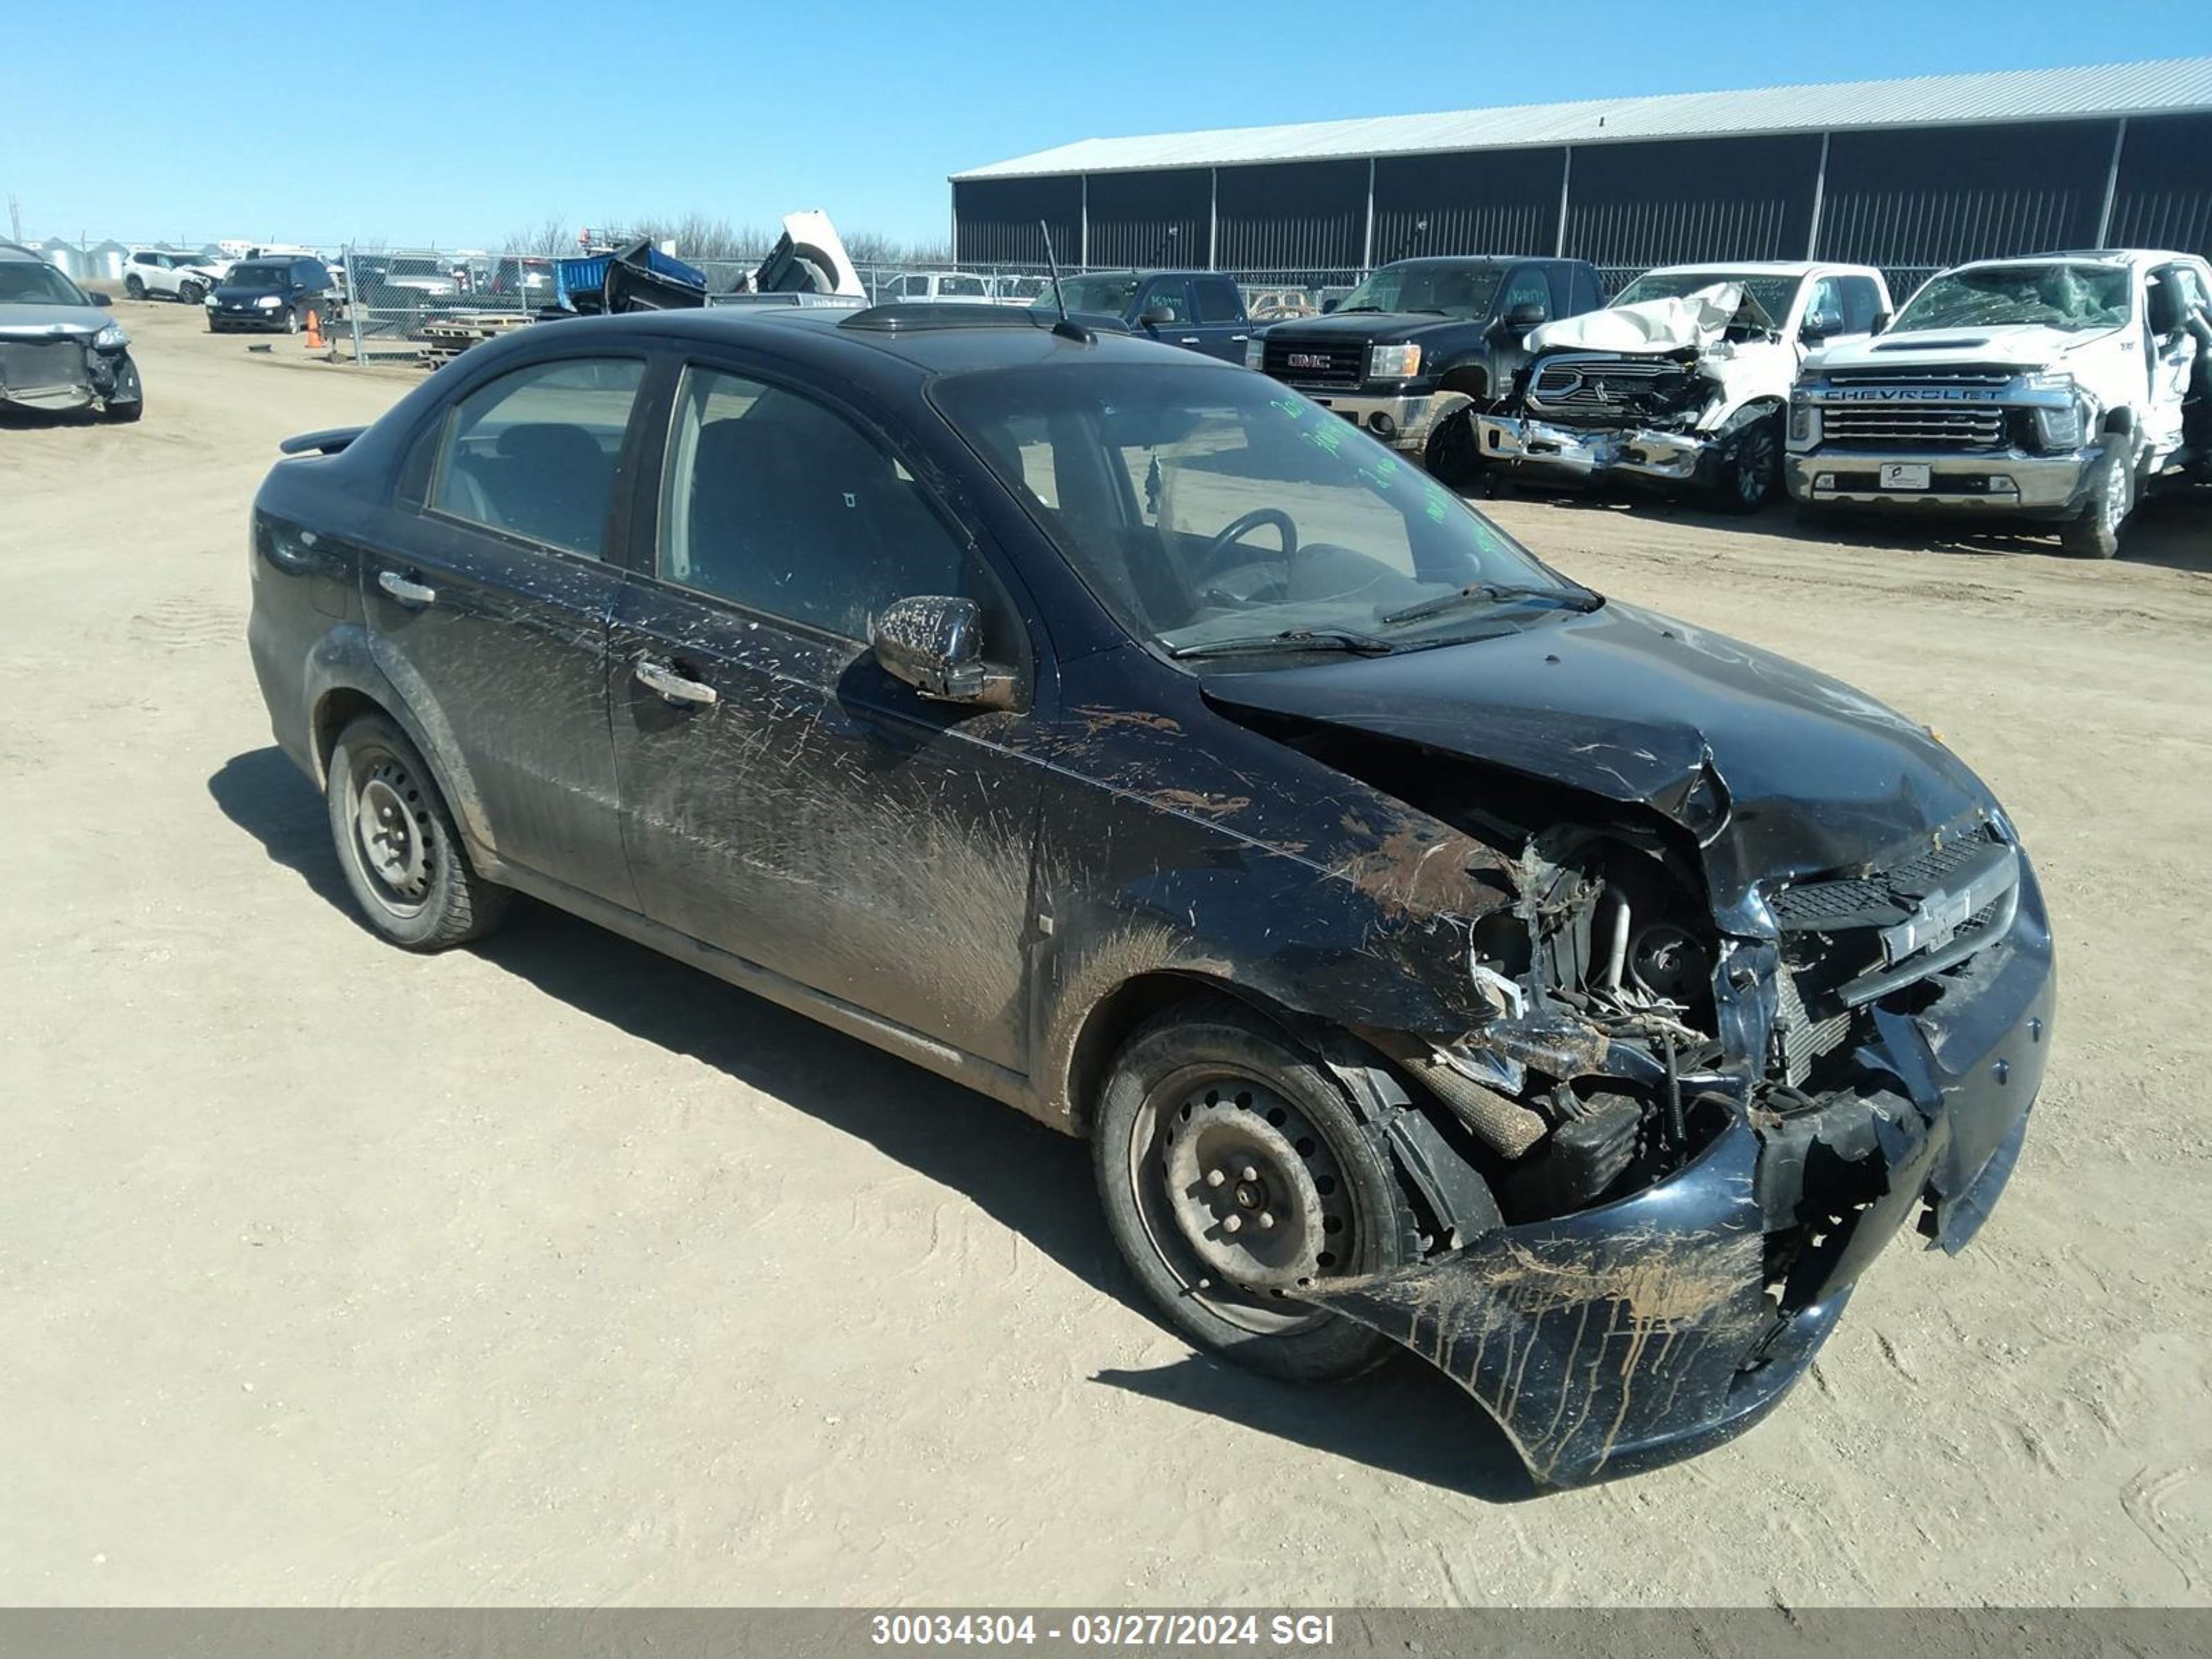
[[2051, 388], [1684, 380]]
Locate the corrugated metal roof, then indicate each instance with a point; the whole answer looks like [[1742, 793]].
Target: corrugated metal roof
[[2169, 85]]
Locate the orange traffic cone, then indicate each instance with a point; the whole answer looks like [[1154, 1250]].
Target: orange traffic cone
[[314, 329]]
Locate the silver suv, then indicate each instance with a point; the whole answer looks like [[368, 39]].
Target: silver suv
[[58, 349]]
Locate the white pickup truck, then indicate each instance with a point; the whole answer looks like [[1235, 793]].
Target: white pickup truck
[[2054, 388], [1683, 380]]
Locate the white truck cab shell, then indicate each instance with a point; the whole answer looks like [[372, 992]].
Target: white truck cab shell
[[1663, 391], [2062, 400]]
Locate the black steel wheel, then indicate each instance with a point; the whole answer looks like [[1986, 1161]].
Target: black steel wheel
[[1236, 1175], [396, 841]]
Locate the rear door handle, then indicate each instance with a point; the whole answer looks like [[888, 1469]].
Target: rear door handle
[[405, 590], [676, 688]]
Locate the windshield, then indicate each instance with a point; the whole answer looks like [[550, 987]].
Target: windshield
[[32, 282], [1463, 291], [257, 274], [1205, 506], [2064, 296], [1774, 295], [1102, 296]]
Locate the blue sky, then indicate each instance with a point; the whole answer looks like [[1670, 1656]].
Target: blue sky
[[451, 124]]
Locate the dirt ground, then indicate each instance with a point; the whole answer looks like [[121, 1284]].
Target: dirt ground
[[550, 1272]]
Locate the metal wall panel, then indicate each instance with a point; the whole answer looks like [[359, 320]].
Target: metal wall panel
[[996, 220], [1150, 218], [1301, 215], [2164, 198], [1931, 198], [1675, 203], [1501, 202]]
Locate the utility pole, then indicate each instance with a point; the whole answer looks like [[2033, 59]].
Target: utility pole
[[14, 217]]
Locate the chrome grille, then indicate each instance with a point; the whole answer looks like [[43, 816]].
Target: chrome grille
[[1885, 426], [1603, 384], [1318, 363], [39, 365]]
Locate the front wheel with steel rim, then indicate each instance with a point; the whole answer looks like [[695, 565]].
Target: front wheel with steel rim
[[1236, 1175], [397, 842]]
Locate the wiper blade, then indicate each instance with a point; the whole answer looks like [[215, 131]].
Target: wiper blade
[[1290, 639], [1476, 593]]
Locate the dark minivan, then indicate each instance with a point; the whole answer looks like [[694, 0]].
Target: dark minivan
[[270, 292], [1432, 950]]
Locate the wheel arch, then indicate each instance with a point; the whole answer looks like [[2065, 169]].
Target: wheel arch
[[1084, 1059], [1470, 377], [345, 681]]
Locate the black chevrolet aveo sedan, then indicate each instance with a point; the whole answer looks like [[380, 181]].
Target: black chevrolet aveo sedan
[[1434, 951]]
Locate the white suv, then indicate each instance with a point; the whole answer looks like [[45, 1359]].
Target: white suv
[[187, 277]]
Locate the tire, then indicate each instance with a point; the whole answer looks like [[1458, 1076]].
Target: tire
[[134, 288], [1750, 471], [1209, 1088], [191, 293], [417, 888], [291, 319], [129, 401], [1453, 457], [2094, 533]]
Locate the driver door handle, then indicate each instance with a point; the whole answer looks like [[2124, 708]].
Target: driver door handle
[[405, 589], [660, 677]]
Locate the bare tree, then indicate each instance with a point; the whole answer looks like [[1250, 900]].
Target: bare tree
[[551, 237]]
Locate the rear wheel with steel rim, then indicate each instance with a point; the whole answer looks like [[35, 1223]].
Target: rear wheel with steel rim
[[1236, 1177], [396, 841]]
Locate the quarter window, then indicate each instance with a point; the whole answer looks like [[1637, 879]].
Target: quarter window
[[533, 452], [774, 502]]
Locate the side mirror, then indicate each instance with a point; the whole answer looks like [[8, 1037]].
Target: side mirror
[[1527, 315], [1156, 316], [1882, 320], [1821, 325], [1327, 306], [934, 643], [99, 298]]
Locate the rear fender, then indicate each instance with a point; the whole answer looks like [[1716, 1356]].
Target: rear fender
[[349, 660]]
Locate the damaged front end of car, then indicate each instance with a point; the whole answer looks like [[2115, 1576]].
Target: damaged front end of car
[[1720, 1069]]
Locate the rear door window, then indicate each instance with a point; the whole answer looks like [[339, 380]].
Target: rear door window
[[1218, 300], [534, 453], [1171, 295], [1529, 286]]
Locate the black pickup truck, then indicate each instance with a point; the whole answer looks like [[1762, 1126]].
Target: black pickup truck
[[1199, 310], [1421, 340]]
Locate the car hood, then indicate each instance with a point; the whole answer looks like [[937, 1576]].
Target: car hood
[[1649, 326], [1376, 327], [1776, 771], [2020, 345], [21, 321]]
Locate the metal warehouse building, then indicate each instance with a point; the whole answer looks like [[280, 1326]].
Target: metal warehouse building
[[1903, 174]]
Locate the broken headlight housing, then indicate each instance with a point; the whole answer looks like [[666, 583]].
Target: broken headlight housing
[[2061, 425], [1393, 363]]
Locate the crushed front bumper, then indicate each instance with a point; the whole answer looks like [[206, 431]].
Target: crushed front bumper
[[1585, 452], [52, 373], [1647, 1329], [2008, 481]]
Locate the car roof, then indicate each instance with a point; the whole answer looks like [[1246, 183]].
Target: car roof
[[17, 251], [940, 339], [1480, 259]]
